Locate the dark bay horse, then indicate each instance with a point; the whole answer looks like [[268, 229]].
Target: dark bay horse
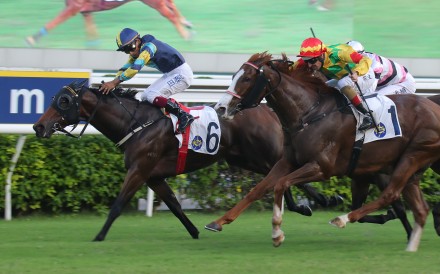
[[166, 8], [151, 154], [319, 140]]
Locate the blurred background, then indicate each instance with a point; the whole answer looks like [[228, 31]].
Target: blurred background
[[391, 28]]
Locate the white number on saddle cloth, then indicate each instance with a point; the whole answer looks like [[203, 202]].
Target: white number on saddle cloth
[[385, 115], [205, 130]]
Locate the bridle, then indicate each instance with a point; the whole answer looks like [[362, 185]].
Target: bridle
[[250, 100], [67, 103]]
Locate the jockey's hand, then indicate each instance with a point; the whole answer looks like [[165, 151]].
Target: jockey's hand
[[106, 87], [354, 76]]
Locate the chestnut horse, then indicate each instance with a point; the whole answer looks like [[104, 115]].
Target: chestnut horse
[[151, 154], [167, 9], [319, 139]]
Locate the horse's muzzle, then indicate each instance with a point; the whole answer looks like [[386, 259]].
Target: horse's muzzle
[[41, 132]]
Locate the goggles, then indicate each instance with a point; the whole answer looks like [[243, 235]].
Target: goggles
[[129, 48], [312, 61]]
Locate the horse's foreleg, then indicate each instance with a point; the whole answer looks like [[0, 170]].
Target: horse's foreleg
[[164, 191], [436, 216], [91, 30], [133, 181], [281, 168], [292, 206], [320, 198], [308, 173]]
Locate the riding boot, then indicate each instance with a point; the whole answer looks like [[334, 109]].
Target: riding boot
[[367, 121], [185, 119]]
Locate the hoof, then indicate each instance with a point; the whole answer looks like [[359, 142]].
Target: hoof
[[305, 210], [213, 227], [338, 222], [391, 214], [30, 41], [278, 240], [195, 235], [98, 239], [335, 200]]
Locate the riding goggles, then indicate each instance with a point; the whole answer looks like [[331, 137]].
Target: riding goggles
[[312, 61], [129, 48]]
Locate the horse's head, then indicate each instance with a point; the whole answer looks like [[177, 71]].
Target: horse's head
[[249, 86], [64, 111]]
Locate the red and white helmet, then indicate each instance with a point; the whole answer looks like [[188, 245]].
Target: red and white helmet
[[311, 47]]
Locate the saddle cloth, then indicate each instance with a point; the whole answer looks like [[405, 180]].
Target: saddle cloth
[[385, 115], [205, 131]]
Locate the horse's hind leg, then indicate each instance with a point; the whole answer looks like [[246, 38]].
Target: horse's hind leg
[[73, 7], [162, 6], [164, 191], [133, 181], [420, 209], [360, 192]]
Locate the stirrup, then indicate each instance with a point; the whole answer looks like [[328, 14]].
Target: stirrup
[[367, 123], [187, 121]]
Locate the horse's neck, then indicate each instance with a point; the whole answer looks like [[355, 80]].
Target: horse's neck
[[291, 102], [115, 120]]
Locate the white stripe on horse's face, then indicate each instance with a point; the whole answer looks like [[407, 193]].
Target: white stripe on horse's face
[[226, 99]]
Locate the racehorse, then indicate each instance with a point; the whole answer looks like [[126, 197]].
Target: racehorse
[[319, 139], [167, 9], [151, 154]]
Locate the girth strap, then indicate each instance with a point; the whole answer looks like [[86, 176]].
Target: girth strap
[[357, 149]]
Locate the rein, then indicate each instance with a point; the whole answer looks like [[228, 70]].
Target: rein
[[251, 99], [304, 124], [76, 98], [64, 102]]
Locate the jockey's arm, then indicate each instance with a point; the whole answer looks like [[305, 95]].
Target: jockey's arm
[[361, 63], [132, 67]]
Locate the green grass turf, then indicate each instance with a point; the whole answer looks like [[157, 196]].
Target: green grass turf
[[392, 28], [137, 244]]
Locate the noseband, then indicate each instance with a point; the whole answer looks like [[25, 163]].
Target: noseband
[[250, 100], [67, 103]]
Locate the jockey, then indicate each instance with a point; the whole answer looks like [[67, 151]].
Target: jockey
[[393, 77], [332, 61], [148, 51]]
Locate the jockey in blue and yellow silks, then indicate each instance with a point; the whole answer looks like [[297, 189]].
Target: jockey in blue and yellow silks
[[332, 61], [148, 51]]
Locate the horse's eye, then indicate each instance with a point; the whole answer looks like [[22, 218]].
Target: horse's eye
[[64, 102]]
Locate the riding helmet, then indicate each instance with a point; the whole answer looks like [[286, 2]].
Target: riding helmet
[[126, 37], [356, 46], [311, 47]]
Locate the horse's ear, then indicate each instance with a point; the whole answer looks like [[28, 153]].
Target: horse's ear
[[82, 83], [79, 85]]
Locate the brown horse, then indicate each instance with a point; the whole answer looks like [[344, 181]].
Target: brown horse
[[319, 140], [167, 9], [151, 154]]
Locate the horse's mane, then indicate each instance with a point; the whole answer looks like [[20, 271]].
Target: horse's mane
[[315, 80], [120, 92]]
